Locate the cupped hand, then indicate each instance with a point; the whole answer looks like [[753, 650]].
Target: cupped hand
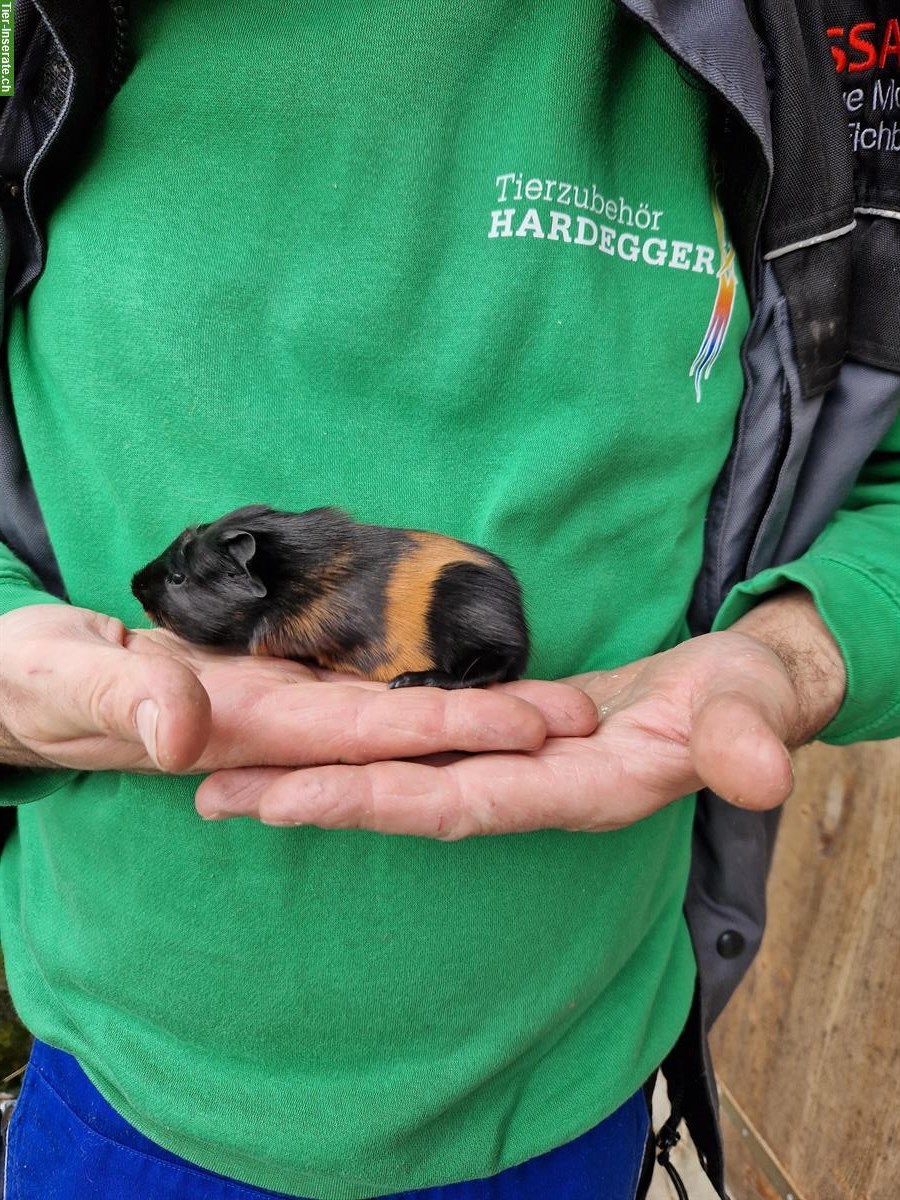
[[719, 710], [79, 689]]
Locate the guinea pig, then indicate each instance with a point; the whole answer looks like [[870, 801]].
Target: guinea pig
[[401, 606]]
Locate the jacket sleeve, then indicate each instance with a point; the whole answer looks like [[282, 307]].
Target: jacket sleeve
[[852, 570]]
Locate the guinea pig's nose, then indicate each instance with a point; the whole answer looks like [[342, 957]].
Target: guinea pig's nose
[[139, 586]]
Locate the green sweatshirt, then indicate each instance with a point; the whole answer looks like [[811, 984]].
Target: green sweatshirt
[[453, 268]]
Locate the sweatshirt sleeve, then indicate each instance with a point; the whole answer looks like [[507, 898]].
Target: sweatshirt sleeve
[[852, 571], [19, 587]]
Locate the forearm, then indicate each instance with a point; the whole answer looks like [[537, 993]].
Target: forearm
[[789, 623]]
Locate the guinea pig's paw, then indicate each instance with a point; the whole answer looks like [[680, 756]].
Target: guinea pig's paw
[[438, 679]]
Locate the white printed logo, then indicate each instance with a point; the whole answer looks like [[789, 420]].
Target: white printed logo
[[622, 230], [557, 220]]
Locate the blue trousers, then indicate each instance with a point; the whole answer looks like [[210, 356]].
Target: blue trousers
[[65, 1142]]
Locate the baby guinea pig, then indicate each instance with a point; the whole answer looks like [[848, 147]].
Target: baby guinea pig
[[397, 605]]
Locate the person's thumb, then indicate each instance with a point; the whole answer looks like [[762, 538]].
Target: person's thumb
[[170, 710], [75, 681], [738, 752], [148, 698]]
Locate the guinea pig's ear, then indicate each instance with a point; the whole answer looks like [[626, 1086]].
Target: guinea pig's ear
[[241, 546]]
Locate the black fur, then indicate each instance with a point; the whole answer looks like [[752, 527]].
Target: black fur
[[238, 570], [235, 581], [477, 628]]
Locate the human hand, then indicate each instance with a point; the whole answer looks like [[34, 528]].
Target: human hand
[[79, 689], [719, 711]]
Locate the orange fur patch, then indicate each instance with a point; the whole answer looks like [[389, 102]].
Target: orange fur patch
[[408, 599], [405, 643]]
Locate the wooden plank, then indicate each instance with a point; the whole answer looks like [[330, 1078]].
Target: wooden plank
[[810, 1046], [753, 1166]]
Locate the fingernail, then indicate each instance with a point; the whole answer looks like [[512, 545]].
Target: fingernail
[[146, 718], [208, 806]]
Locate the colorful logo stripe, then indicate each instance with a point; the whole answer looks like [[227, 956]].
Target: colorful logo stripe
[[714, 338]]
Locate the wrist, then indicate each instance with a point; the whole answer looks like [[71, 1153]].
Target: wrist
[[14, 754], [789, 624]]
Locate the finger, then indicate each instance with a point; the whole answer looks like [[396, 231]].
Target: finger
[[567, 710], [318, 723], [737, 753], [485, 794]]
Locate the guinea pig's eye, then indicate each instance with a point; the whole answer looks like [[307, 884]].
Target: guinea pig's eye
[[176, 577]]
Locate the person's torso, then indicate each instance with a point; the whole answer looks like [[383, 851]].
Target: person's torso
[[446, 267]]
